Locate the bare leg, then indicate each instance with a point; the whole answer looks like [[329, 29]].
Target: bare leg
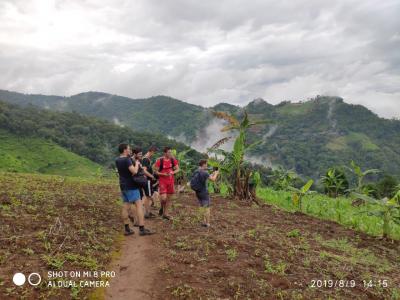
[[163, 202], [147, 202], [207, 215], [126, 207], [139, 212], [167, 205], [156, 198]]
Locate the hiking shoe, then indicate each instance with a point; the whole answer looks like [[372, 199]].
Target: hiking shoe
[[129, 231], [160, 212], [145, 232], [165, 217], [205, 225], [150, 216]]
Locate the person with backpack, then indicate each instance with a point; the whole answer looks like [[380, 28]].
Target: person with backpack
[[129, 189], [166, 167], [141, 179], [198, 183]]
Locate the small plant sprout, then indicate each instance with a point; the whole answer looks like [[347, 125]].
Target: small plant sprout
[[298, 194]]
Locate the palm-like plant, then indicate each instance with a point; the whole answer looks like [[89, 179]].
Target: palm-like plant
[[283, 179], [360, 174], [335, 182], [186, 167], [232, 165], [298, 194], [387, 209]]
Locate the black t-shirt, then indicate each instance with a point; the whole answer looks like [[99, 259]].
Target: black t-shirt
[[125, 176], [146, 162], [202, 178]]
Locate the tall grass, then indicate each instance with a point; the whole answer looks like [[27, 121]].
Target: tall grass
[[339, 210]]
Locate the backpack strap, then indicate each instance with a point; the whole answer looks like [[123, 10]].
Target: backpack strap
[[173, 162], [162, 163]]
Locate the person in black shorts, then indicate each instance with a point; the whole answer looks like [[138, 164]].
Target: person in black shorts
[[145, 190], [129, 190], [199, 185], [152, 185]]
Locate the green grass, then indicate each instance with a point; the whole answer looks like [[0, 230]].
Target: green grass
[[34, 155], [339, 210], [296, 108], [344, 142]]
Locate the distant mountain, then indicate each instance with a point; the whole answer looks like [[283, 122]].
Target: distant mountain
[[89, 137], [160, 114], [308, 136]]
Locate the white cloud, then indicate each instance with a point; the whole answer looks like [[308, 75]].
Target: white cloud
[[205, 51]]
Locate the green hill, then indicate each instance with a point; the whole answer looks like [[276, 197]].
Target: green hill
[[85, 136], [308, 137], [35, 155]]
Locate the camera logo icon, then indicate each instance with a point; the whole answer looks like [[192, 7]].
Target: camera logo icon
[[34, 279]]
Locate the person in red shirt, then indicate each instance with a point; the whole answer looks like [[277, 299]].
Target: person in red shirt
[[166, 167]]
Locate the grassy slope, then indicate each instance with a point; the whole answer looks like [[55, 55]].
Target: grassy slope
[[34, 155], [63, 223], [339, 210]]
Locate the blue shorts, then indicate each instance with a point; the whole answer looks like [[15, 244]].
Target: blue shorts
[[204, 198], [130, 196]]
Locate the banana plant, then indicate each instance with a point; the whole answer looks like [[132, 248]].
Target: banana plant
[[298, 194], [360, 174], [335, 182], [283, 179], [186, 166], [386, 209], [232, 165]]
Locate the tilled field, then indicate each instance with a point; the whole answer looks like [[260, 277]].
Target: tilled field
[[51, 223], [265, 253]]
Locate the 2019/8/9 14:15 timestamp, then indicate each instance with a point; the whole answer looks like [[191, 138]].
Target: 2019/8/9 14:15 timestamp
[[379, 283]]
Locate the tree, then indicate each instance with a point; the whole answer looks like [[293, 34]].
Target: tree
[[360, 174], [232, 165], [335, 182], [386, 209], [186, 168], [283, 179]]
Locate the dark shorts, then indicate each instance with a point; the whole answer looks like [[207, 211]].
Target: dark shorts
[[148, 190], [204, 198], [130, 196]]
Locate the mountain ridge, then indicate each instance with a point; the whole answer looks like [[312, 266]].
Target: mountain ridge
[[308, 136]]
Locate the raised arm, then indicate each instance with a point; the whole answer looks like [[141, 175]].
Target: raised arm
[[214, 176], [134, 168]]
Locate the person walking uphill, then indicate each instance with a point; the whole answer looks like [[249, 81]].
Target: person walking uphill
[[198, 183], [129, 191], [166, 167]]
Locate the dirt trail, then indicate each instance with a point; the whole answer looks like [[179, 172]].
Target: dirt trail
[[136, 269], [256, 253]]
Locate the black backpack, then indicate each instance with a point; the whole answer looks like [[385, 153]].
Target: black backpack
[[195, 183], [140, 178], [162, 163]]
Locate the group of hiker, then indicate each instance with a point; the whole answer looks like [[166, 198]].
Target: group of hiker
[[144, 183]]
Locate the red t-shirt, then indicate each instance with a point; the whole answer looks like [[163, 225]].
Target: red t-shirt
[[167, 169]]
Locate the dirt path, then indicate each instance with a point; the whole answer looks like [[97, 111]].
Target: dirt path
[[254, 253], [136, 269]]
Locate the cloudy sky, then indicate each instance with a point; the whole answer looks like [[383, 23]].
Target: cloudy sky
[[206, 51]]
